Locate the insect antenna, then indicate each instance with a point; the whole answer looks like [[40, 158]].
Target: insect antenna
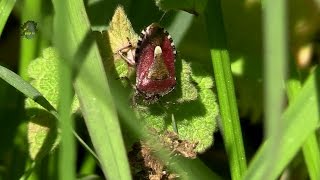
[[162, 16]]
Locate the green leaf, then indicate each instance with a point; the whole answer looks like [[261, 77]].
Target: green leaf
[[120, 30], [195, 7], [43, 73], [42, 133], [120, 33], [193, 105], [42, 127]]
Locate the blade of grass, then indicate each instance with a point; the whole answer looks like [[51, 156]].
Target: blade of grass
[[311, 155], [6, 7], [300, 120], [67, 155], [310, 148], [24, 87], [275, 56], [95, 98], [231, 129], [29, 91]]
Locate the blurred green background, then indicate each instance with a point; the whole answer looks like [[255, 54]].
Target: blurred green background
[[244, 31]]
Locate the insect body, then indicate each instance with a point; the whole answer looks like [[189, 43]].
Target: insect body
[[154, 58], [29, 29]]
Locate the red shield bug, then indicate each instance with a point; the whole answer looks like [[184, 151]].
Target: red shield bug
[[155, 56]]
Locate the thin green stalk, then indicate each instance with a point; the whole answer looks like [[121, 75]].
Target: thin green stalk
[[6, 7], [228, 107], [29, 47], [67, 155], [275, 53]]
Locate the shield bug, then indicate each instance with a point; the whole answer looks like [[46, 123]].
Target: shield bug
[[154, 58]]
